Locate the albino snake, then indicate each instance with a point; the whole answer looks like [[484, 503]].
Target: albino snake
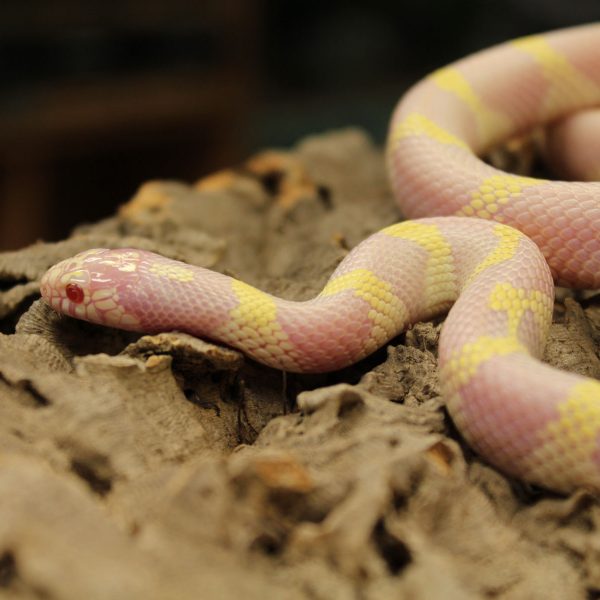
[[526, 418]]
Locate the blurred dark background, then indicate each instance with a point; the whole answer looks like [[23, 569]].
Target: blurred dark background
[[97, 97]]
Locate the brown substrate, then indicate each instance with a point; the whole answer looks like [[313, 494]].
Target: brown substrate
[[166, 467]]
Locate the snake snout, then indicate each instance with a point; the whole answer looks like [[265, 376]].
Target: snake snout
[[87, 286], [64, 287]]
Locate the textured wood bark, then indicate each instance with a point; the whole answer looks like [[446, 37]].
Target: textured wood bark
[[168, 467]]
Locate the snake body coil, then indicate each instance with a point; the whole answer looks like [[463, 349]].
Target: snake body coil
[[528, 419]]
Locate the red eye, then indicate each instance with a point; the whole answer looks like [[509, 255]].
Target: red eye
[[74, 293]]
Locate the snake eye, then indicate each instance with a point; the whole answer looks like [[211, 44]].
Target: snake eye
[[74, 293]]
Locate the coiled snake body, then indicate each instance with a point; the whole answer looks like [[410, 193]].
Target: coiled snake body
[[528, 419]]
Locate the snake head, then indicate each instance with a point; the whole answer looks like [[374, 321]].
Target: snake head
[[88, 286]]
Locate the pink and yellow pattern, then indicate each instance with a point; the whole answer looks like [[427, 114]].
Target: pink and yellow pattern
[[528, 419], [442, 124]]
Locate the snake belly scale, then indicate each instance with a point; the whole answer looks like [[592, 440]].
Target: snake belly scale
[[528, 419]]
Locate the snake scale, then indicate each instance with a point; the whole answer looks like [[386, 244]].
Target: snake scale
[[468, 248]]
